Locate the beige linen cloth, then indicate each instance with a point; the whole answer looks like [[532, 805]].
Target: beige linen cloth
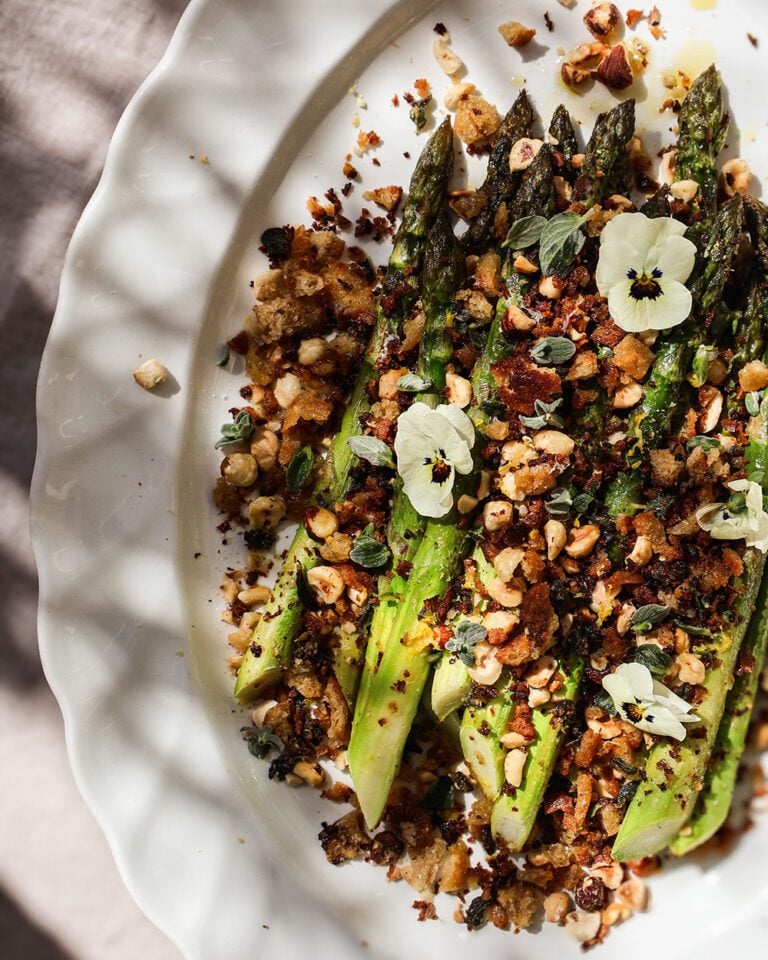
[[67, 70]]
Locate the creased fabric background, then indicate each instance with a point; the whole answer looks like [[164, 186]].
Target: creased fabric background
[[67, 70]]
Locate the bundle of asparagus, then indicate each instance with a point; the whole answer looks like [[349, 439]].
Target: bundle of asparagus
[[565, 563]]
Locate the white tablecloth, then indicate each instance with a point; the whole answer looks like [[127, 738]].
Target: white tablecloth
[[67, 70]]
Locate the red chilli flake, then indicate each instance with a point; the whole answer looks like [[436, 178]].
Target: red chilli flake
[[752, 39]]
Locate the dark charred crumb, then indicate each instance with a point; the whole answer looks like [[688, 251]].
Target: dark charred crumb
[[347, 188], [376, 162], [408, 97], [548, 21], [440, 29], [752, 39], [425, 909]]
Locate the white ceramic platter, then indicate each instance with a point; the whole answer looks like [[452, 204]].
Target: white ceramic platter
[[224, 861]]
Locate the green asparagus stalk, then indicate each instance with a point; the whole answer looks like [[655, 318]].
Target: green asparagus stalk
[[270, 650], [514, 814], [443, 274], [605, 169], [714, 803], [562, 136], [703, 127], [481, 728], [675, 773], [500, 182]]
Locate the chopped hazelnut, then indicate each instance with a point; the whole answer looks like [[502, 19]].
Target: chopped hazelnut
[[150, 374], [736, 177], [514, 764], [615, 71], [523, 153], [582, 540], [326, 582], [602, 20]]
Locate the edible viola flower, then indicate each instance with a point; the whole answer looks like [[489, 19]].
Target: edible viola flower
[[743, 517], [642, 269], [432, 446], [646, 703]]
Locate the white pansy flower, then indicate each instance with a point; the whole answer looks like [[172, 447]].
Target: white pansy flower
[[642, 269], [646, 703], [750, 522], [432, 446]]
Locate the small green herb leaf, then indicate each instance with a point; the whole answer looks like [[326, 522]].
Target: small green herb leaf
[[372, 450], [493, 408], [582, 502], [440, 795], [694, 631], [706, 443], [261, 740], [413, 383], [561, 241], [752, 403], [604, 353], [367, 551], [559, 503], [418, 112], [466, 635], [756, 456], [222, 355], [650, 615], [653, 657], [525, 232], [299, 469], [238, 431], [604, 701], [553, 350], [544, 415], [700, 367]]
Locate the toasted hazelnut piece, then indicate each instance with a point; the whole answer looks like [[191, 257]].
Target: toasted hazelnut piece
[[484, 487], [254, 595], [466, 504], [537, 698], [563, 189], [456, 93], [385, 197], [388, 383], [615, 71], [553, 441], [735, 177], [326, 582], [641, 552], [488, 273], [487, 668], [522, 264], [310, 351], [551, 287], [753, 376], [515, 34], [268, 284], [512, 739], [264, 513], [692, 670], [609, 871], [500, 621], [712, 402], [667, 168], [556, 906], [582, 540], [602, 20], [497, 430], [514, 764], [519, 319], [497, 514], [264, 446], [582, 926], [357, 596], [632, 357], [574, 76], [516, 453], [458, 390], [541, 672], [507, 561], [627, 396], [448, 61], [260, 710], [684, 190], [523, 153], [615, 913], [150, 374], [240, 469], [287, 389], [633, 893], [555, 534], [320, 522], [617, 201], [311, 773], [509, 595]]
